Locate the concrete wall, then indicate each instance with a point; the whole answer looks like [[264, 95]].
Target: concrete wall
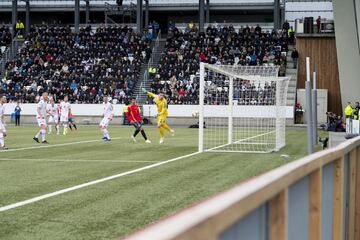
[[322, 104], [118, 120], [96, 110], [347, 45], [178, 114]]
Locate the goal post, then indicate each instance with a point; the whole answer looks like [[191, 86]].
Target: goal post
[[241, 108]]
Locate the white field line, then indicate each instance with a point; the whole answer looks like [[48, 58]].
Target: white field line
[[55, 145], [238, 141], [73, 160], [66, 190]]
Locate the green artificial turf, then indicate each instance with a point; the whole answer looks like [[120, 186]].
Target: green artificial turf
[[119, 206]]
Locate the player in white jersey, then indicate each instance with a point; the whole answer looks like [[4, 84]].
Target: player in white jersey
[[53, 116], [2, 122], [108, 116], [41, 113], [65, 109]]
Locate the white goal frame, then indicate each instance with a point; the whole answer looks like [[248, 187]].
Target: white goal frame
[[245, 72]]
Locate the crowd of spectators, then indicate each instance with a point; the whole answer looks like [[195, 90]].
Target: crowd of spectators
[[5, 38], [85, 66], [245, 92], [178, 71], [107, 61]]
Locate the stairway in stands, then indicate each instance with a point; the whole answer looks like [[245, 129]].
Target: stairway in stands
[[144, 81], [9, 54], [291, 72]]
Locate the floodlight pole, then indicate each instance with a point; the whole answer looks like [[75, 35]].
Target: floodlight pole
[[14, 16], [87, 11], [27, 16], [146, 13], [77, 16], [314, 109], [139, 17], [207, 11], [282, 14], [201, 16], [309, 117], [276, 14]]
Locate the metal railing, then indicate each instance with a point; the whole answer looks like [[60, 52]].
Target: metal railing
[[160, 1], [114, 7], [150, 63], [9, 53], [316, 197]]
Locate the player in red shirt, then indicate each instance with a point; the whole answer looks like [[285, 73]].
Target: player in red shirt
[[133, 114]]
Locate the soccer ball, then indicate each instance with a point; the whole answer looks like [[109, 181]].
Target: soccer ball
[[195, 114]]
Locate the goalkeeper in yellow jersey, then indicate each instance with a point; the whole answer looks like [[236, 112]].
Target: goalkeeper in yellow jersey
[[161, 104]]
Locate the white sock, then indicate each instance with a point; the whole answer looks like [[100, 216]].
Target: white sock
[[65, 127], [43, 134], [57, 128], [38, 134], [2, 140], [50, 128], [106, 133]]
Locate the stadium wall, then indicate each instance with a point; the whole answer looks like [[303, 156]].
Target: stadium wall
[[347, 15], [321, 48], [178, 114]]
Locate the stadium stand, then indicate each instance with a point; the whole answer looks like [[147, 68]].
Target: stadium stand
[[85, 66], [178, 68]]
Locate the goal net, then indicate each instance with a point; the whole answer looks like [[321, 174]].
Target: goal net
[[242, 108]]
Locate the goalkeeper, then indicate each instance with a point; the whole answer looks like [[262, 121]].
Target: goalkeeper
[[161, 104]]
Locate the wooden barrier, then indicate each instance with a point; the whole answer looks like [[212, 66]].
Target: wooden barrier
[[316, 197]]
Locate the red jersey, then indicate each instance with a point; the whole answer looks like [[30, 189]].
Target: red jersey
[[133, 113]]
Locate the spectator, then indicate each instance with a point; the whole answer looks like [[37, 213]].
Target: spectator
[[17, 112], [148, 52], [348, 110], [155, 27], [19, 28], [73, 85], [356, 111], [318, 24], [258, 29], [291, 33], [152, 72], [286, 26], [171, 26], [190, 26], [149, 34], [295, 57], [119, 4]]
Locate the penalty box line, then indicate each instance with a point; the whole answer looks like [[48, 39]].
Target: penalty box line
[[70, 189]]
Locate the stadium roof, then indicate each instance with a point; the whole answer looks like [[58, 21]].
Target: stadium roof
[[165, 5]]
